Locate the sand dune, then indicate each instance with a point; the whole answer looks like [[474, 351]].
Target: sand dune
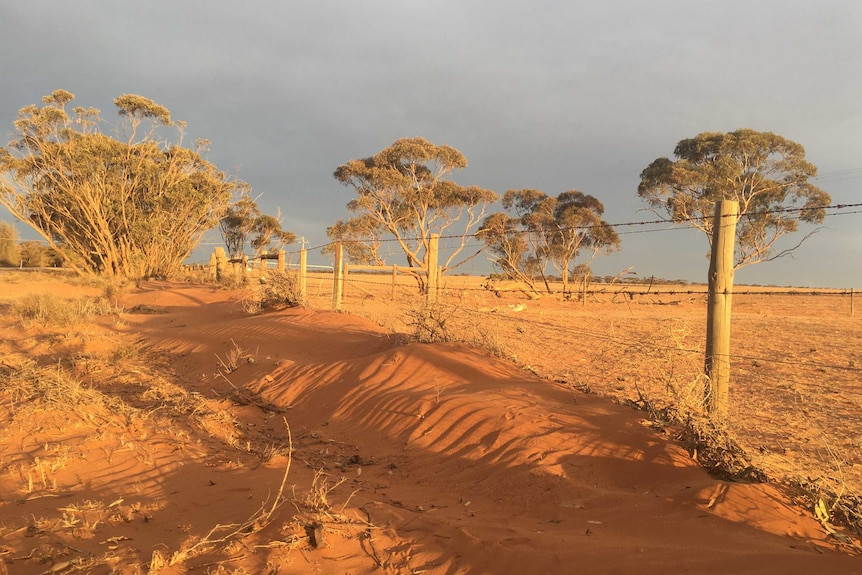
[[479, 467], [429, 458]]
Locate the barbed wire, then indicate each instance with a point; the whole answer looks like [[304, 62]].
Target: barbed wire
[[816, 366], [622, 289], [678, 224], [811, 366]]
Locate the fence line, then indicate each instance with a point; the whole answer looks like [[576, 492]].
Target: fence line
[[797, 416], [766, 290], [628, 224], [813, 366]]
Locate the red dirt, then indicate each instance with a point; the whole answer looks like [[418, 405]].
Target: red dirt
[[453, 462]]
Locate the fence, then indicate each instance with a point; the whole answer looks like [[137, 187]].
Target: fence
[[796, 406], [795, 355]]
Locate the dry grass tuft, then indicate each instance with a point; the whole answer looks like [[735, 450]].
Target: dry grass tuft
[[275, 290], [50, 310]]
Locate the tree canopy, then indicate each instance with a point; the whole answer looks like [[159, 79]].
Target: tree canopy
[[135, 207], [244, 219], [547, 231], [767, 174], [405, 191], [9, 249]]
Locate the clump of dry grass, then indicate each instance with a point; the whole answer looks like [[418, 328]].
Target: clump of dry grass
[[430, 323], [31, 387], [452, 321], [273, 291], [51, 310], [234, 358]]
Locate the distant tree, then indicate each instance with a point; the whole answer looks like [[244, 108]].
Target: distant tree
[[135, 207], [34, 254], [360, 237], [269, 237], [238, 223], [766, 173], [508, 244], [9, 250], [244, 223], [406, 191], [548, 231]]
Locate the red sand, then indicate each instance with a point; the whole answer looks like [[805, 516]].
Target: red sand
[[455, 463]]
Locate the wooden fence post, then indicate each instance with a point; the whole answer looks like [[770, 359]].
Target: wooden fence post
[[717, 362], [264, 264], [432, 272], [394, 280], [221, 263], [336, 277], [344, 272], [584, 292], [303, 276], [280, 266], [244, 263], [851, 302], [211, 272]]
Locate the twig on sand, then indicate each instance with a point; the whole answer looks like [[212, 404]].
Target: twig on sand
[[368, 537]]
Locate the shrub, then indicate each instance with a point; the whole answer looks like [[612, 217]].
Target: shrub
[[275, 290]]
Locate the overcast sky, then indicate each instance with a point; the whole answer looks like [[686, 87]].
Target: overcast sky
[[542, 94]]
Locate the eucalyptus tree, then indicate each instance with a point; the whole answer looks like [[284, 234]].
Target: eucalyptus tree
[[237, 224], [9, 248], [135, 205], [243, 223], [361, 238], [767, 174], [406, 190], [269, 237], [566, 232]]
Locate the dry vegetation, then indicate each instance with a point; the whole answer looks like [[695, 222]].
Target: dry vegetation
[[80, 398], [83, 406], [796, 412]]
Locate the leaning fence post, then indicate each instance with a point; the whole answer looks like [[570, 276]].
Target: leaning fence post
[[336, 277], [394, 280], [717, 361]]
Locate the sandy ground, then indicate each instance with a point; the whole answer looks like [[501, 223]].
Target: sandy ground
[[301, 441]]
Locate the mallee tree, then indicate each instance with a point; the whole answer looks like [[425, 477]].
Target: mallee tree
[[566, 232], [405, 191], [767, 174], [135, 207]]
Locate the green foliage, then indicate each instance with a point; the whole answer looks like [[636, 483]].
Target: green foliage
[[404, 191], [134, 208], [360, 237], [269, 235], [9, 249], [237, 224], [33, 254], [547, 231], [764, 172], [243, 219]]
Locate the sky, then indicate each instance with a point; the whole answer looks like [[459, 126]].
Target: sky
[[545, 94]]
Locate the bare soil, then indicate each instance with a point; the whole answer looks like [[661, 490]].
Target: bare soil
[[194, 436]]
